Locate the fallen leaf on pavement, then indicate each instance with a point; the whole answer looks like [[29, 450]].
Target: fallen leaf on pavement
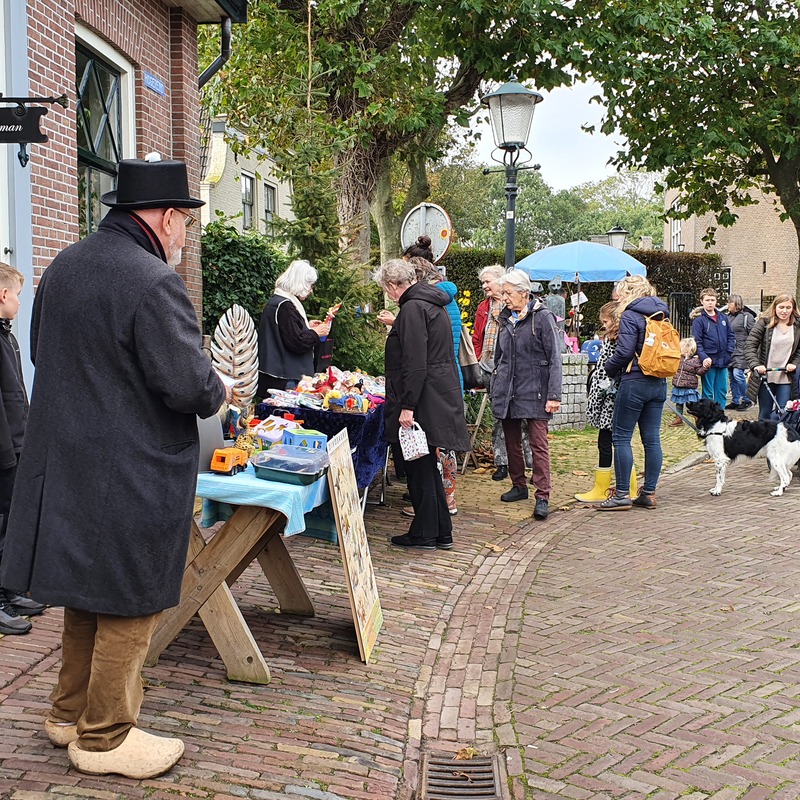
[[580, 473], [463, 775], [495, 548], [480, 470], [465, 754]]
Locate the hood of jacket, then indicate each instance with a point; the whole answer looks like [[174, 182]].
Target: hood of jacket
[[449, 287], [648, 306], [425, 292]]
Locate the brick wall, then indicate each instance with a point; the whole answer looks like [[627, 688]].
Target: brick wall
[[757, 239], [154, 38]]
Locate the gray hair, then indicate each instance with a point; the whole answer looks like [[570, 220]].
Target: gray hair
[[736, 299], [495, 271], [396, 271], [516, 279], [298, 279]]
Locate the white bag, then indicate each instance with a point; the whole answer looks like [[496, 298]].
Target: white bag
[[413, 442]]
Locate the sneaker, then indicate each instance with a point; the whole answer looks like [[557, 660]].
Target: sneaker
[[20, 603], [745, 404], [406, 497], [541, 510], [515, 493], [410, 543], [732, 406], [12, 623], [408, 511], [615, 503], [501, 473], [645, 500], [452, 511], [444, 542]]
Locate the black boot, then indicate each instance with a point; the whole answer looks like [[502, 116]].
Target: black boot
[[501, 473], [515, 493]]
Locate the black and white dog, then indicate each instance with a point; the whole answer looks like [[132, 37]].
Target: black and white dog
[[728, 439]]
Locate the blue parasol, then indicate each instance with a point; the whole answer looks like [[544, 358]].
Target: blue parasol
[[580, 262]]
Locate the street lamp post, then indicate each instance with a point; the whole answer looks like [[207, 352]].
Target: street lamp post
[[617, 236], [511, 110]]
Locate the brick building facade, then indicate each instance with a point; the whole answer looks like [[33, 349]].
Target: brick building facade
[[761, 251], [130, 72]]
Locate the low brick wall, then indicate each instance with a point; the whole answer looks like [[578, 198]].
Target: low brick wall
[[573, 393]]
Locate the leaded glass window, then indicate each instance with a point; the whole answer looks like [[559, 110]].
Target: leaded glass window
[[99, 110]]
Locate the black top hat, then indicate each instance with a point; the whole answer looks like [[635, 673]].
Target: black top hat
[[151, 183]]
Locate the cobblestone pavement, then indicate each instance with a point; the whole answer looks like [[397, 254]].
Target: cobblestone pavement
[[645, 654]]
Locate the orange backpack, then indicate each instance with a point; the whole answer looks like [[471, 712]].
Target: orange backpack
[[661, 352]]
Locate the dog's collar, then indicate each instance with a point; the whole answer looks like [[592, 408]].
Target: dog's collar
[[710, 433]]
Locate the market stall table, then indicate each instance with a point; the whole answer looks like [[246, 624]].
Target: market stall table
[[365, 432], [264, 510]]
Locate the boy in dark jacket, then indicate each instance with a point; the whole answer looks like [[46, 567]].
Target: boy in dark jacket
[[716, 342], [13, 414]]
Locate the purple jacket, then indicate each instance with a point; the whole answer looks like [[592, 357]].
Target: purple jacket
[[632, 325]]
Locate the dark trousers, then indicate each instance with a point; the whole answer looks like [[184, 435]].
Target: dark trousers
[[605, 448], [431, 517], [7, 477], [540, 452]]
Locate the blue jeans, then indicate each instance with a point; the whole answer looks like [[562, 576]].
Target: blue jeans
[[715, 385], [640, 400], [782, 392], [738, 385]]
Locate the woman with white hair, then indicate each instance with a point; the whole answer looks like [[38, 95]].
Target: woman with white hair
[[422, 386], [526, 385], [286, 339]]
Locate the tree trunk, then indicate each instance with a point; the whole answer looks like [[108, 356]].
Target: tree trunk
[[358, 174], [386, 221]]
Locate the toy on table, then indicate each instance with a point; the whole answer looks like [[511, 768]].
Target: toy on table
[[303, 437], [228, 460], [270, 431]]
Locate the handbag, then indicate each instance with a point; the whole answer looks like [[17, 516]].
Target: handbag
[[413, 442], [468, 361]]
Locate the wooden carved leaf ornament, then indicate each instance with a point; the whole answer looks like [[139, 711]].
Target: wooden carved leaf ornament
[[234, 351]]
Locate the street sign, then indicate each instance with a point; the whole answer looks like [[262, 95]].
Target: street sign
[[431, 220], [20, 125]]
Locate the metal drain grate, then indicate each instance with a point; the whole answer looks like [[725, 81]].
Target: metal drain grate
[[444, 778]]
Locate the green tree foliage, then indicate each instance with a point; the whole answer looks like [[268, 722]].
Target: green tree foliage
[[372, 78], [476, 204], [705, 90], [237, 268]]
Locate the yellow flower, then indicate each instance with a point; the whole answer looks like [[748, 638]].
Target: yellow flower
[[467, 293]]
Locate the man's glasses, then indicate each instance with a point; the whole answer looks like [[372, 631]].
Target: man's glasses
[[189, 219]]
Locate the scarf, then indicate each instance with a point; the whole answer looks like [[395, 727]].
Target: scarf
[[295, 302]]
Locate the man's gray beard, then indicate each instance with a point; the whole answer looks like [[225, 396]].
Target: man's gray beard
[[175, 258]]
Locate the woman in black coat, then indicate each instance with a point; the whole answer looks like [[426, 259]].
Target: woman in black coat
[[526, 384], [286, 339], [423, 386]]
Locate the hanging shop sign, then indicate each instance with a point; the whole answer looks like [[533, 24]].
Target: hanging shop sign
[[20, 123]]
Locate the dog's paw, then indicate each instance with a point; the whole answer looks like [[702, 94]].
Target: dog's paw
[[715, 492], [777, 492]]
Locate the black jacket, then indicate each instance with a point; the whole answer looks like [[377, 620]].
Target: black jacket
[[104, 493], [421, 370], [632, 326], [285, 343], [14, 409]]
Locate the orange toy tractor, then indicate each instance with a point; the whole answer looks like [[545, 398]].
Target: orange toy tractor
[[228, 460]]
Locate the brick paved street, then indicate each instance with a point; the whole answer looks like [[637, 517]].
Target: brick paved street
[[637, 655]]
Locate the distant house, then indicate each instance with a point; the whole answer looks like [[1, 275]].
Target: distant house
[[242, 186], [129, 71], [760, 250]]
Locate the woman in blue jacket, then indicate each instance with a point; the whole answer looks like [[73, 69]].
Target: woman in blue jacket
[[640, 398], [716, 342]]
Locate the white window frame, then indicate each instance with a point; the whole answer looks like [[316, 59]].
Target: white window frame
[[270, 190], [245, 178], [675, 228]]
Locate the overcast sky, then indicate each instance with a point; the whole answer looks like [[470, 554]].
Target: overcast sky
[[568, 156]]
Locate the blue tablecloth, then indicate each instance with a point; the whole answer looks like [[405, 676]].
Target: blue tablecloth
[[365, 432], [307, 508]]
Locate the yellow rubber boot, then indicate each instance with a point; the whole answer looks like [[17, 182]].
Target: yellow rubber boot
[[634, 483], [602, 481]]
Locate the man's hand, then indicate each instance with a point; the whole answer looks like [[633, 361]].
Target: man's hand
[[406, 418], [552, 406], [707, 363], [761, 369]]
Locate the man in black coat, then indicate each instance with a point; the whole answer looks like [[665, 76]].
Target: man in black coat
[[100, 519]]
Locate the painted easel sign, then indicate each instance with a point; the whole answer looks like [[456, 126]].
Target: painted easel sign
[[361, 585]]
